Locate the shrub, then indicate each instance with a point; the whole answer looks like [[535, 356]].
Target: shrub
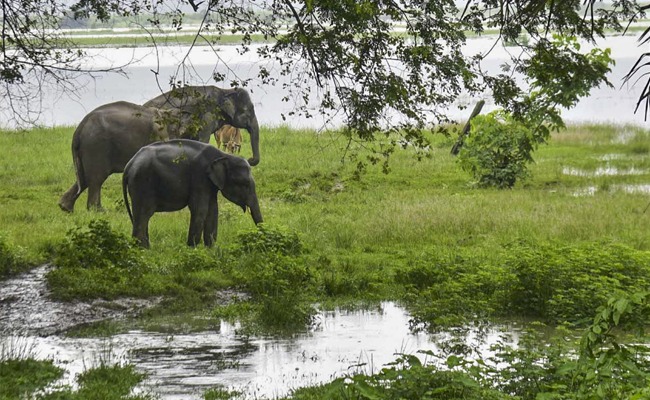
[[497, 150], [97, 262], [265, 239], [568, 283], [281, 286], [96, 247]]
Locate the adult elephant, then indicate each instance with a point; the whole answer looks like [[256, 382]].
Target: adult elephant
[[168, 176], [210, 103], [109, 136]]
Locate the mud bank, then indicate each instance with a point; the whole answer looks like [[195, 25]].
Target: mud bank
[[26, 307]]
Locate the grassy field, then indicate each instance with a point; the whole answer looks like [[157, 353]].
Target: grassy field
[[304, 184]]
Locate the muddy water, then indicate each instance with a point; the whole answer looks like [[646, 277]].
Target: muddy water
[[184, 366]]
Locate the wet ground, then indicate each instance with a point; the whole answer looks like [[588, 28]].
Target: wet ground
[[184, 366], [25, 307]]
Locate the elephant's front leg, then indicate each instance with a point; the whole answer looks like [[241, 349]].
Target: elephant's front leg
[[211, 223]]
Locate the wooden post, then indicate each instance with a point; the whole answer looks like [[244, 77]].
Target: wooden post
[[461, 137]]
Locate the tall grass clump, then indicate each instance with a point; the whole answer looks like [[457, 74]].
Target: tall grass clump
[[21, 374], [105, 382], [11, 259]]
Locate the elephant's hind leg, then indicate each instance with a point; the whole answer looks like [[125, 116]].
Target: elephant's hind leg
[[95, 197], [95, 182], [141, 217], [66, 203]]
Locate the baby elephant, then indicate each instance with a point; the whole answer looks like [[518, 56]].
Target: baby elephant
[[167, 176], [230, 137]]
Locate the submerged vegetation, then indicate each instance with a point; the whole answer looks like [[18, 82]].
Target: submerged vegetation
[[567, 247]]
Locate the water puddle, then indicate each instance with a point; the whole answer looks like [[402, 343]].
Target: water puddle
[[603, 171], [642, 188], [184, 366], [25, 307]]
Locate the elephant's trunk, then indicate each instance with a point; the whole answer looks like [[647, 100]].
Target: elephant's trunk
[[254, 206], [254, 131]]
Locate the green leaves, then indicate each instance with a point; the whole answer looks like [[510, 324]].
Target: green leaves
[[497, 150]]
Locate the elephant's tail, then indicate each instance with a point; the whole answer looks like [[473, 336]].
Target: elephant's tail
[[76, 158], [125, 192]]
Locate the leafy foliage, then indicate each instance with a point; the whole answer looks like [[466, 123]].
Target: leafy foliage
[[549, 282], [268, 265], [98, 246], [390, 69], [497, 150]]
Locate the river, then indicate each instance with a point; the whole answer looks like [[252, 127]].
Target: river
[[140, 83]]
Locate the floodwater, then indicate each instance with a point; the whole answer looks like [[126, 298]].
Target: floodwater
[[183, 366], [148, 71]]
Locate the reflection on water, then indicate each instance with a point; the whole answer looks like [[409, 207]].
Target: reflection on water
[[184, 366]]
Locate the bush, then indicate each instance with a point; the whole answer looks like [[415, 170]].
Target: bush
[[281, 286], [97, 247], [96, 262], [278, 281], [497, 150], [444, 291]]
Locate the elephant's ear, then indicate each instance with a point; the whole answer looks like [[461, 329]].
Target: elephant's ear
[[228, 106], [217, 172]]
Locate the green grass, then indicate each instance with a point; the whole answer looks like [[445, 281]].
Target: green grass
[[303, 184]]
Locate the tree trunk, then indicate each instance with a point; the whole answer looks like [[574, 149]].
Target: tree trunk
[[461, 138]]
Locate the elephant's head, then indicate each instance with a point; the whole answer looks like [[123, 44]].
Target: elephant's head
[[213, 107], [232, 176], [237, 110]]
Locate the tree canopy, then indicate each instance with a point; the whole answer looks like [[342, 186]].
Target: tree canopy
[[390, 67]]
